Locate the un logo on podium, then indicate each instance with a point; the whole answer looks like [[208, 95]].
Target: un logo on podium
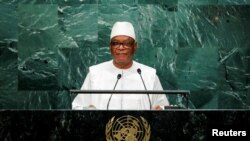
[[127, 128]]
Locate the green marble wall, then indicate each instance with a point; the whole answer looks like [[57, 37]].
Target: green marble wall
[[46, 47]]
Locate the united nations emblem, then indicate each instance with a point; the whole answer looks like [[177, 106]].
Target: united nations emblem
[[127, 128]]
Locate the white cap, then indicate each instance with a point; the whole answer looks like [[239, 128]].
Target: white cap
[[123, 28]]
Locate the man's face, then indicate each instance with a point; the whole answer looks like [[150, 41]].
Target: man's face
[[122, 49]]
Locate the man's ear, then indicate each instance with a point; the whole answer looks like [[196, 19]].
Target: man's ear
[[135, 47], [110, 49]]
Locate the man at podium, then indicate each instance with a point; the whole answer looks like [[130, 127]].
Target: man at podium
[[121, 73]]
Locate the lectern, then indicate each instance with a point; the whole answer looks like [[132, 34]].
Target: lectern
[[133, 125]]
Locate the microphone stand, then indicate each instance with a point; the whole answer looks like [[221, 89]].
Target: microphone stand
[[118, 77], [150, 104]]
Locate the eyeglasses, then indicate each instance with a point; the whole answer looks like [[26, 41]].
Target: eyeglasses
[[126, 44]]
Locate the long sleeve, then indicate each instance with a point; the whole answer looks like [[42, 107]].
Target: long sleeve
[[83, 100], [159, 99]]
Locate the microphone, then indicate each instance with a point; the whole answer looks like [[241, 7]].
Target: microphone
[[118, 77], [139, 71]]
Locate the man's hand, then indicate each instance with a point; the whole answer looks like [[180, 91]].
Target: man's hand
[[157, 108], [92, 107]]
